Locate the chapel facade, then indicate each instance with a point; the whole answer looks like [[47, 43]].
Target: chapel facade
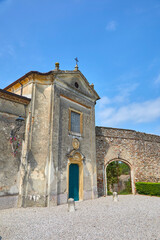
[[58, 157]]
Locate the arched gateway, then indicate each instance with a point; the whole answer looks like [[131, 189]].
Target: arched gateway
[[131, 173], [138, 150]]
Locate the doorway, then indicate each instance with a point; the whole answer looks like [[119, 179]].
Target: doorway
[[118, 175], [74, 181]]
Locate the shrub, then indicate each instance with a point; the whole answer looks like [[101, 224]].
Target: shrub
[[148, 188], [124, 192], [109, 193]]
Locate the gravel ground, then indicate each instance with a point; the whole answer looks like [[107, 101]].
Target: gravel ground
[[133, 217]]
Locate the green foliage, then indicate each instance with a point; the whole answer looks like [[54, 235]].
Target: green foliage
[[128, 189], [124, 168], [124, 192], [128, 186], [109, 193], [112, 174], [114, 171], [148, 188]]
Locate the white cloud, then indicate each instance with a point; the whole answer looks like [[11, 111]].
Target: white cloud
[[106, 113], [147, 111], [124, 91], [111, 26], [157, 80], [103, 101]]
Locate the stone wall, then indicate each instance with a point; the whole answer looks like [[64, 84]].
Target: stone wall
[[37, 146], [140, 151], [9, 164]]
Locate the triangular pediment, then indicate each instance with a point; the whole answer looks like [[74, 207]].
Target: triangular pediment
[[78, 82]]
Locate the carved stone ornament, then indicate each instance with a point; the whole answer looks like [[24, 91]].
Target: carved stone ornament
[[75, 155], [75, 143]]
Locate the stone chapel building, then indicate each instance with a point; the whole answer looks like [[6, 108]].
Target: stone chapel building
[[58, 153]]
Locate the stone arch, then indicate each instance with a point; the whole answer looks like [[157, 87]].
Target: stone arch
[[131, 172]]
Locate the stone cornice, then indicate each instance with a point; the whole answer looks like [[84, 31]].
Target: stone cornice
[[14, 97], [54, 73]]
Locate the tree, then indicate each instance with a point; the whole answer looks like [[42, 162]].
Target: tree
[[124, 168], [114, 171]]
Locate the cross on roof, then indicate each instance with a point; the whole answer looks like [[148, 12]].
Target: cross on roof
[[76, 59]]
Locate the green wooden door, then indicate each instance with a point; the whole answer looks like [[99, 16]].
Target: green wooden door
[[74, 182]]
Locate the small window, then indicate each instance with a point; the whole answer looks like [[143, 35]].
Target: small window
[[75, 121], [76, 85]]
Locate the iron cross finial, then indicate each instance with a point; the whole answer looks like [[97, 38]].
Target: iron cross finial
[[76, 59]]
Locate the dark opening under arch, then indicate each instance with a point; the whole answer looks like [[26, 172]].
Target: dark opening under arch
[[118, 174]]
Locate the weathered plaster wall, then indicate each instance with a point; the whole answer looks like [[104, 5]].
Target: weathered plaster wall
[[141, 151], [9, 165], [35, 181], [87, 144], [25, 89]]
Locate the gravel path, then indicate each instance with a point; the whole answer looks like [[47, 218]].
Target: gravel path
[[133, 217]]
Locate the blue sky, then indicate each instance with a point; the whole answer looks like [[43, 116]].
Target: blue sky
[[117, 43]]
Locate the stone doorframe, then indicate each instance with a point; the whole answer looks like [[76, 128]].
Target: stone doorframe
[[80, 164], [131, 174]]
